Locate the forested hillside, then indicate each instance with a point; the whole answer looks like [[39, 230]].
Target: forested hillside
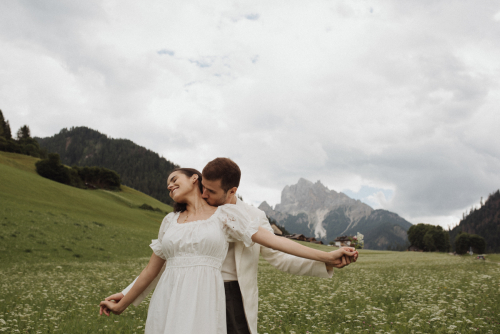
[[139, 168], [484, 222]]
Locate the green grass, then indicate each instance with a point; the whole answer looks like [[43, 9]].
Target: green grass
[[493, 258], [62, 250], [45, 220], [385, 292]]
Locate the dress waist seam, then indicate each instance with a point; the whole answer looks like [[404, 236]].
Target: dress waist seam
[[194, 261]]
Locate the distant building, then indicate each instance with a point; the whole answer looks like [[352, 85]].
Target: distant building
[[343, 241], [302, 237], [296, 236], [414, 249]]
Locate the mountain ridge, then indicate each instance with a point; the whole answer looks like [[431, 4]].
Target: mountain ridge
[[138, 167], [313, 209]]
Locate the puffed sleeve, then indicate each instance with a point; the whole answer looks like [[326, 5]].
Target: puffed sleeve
[[237, 224], [156, 243]]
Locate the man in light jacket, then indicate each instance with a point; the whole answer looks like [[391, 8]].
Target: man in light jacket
[[221, 178]]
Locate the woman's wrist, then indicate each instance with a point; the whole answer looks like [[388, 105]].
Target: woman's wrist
[[121, 306], [324, 257]]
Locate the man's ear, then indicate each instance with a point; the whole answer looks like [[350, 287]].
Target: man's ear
[[232, 191]]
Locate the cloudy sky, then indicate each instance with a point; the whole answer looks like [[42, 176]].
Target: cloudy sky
[[392, 102]]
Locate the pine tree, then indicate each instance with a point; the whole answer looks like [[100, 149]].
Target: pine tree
[[23, 132], [2, 125], [6, 131]]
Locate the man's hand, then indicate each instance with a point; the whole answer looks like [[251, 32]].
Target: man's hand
[[338, 263], [348, 256], [116, 297]]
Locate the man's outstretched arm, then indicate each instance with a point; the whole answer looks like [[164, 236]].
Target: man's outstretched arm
[[299, 266]]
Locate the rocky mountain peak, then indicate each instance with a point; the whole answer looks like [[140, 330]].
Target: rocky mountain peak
[[315, 200], [264, 206], [313, 209], [306, 196]]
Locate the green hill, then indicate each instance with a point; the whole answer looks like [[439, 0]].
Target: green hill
[[138, 167], [484, 222], [43, 219]]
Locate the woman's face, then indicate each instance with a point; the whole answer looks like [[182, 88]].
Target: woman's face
[[179, 185]]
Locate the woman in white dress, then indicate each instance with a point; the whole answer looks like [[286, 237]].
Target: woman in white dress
[[193, 240]]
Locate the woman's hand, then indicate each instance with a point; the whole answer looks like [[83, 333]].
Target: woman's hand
[[117, 303], [111, 305], [116, 297]]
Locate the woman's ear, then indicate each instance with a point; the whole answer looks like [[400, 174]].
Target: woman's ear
[[194, 178]]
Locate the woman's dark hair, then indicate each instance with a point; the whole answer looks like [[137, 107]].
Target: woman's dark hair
[[180, 207]]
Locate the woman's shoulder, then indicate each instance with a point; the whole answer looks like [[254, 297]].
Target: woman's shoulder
[[169, 218], [226, 207], [231, 210]]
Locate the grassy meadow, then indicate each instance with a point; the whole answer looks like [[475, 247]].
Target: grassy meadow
[[42, 220], [63, 249]]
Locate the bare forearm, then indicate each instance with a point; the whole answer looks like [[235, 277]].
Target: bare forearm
[[266, 238], [143, 281]]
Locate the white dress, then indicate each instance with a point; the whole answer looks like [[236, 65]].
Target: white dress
[[189, 297]]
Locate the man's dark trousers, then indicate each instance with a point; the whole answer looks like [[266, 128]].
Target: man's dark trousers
[[235, 313]]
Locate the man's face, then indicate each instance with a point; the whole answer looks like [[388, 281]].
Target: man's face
[[213, 192]]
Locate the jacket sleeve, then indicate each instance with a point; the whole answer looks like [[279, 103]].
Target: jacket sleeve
[[295, 265], [289, 263], [146, 292]]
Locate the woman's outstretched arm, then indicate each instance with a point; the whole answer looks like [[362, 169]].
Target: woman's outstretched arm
[[145, 278], [268, 239]]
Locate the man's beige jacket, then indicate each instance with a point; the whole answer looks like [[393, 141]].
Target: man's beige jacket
[[247, 263]]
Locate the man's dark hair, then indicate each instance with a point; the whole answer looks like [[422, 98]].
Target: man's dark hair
[[225, 170]]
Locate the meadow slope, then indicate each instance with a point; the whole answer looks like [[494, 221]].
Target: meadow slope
[[42, 219]]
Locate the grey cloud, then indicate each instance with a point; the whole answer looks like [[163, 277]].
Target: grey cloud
[[166, 52], [252, 16], [203, 63], [430, 178]]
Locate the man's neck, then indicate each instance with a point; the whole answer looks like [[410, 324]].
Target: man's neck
[[231, 200]]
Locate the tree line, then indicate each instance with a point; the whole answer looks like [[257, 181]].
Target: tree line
[[80, 177], [22, 144], [50, 166], [430, 238]]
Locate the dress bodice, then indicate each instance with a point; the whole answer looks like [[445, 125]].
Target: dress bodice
[[202, 242]]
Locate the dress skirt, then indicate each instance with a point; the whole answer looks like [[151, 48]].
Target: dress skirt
[[199, 303]]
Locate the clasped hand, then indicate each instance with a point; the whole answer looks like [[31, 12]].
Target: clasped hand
[[110, 304], [342, 257]]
